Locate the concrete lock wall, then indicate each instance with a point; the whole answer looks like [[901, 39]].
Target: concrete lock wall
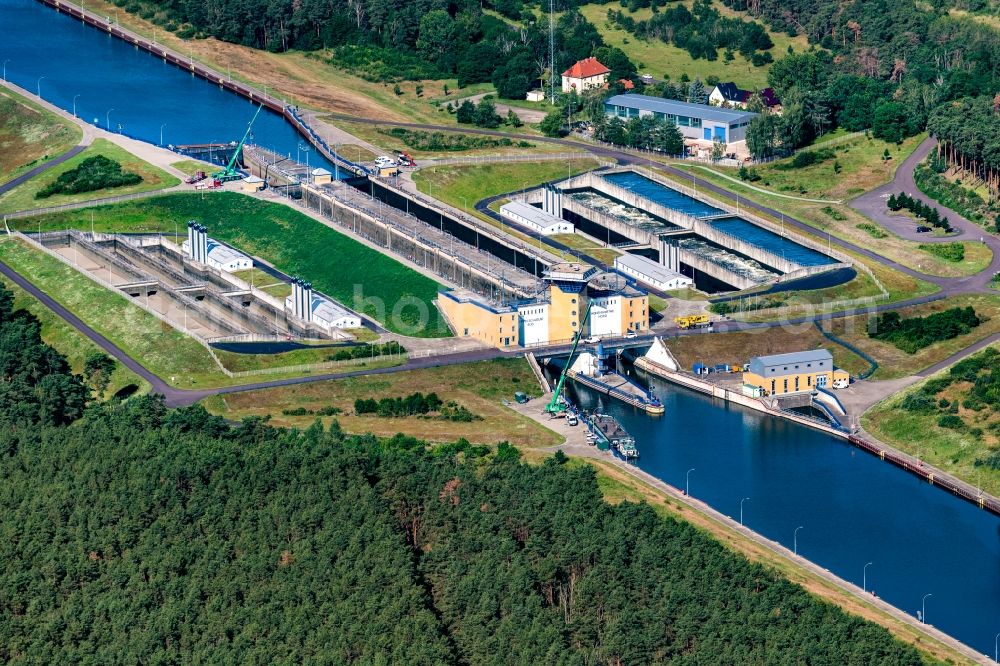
[[385, 236], [640, 236], [715, 270]]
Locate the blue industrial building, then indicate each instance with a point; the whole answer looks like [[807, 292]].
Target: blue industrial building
[[696, 121]]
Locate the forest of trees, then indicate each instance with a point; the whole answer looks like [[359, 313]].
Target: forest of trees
[[137, 534]]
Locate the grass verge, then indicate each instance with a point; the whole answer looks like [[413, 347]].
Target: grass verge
[[23, 196]]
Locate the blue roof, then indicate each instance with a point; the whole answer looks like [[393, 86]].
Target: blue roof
[[673, 107]]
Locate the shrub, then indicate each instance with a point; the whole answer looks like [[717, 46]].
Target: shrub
[[951, 421], [953, 252], [94, 173], [872, 230]]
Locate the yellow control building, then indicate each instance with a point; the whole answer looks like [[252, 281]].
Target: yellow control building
[[795, 372], [616, 308]]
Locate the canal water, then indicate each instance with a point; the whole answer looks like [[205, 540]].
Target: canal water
[[853, 507], [666, 196], [117, 85], [768, 240]]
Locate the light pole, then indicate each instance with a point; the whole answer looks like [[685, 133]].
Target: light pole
[[996, 652], [107, 119], [161, 134], [5, 68], [687, 482], [864, 578], [923, 607], [741, 509], [38, 87], [74, 105], [795, 540]]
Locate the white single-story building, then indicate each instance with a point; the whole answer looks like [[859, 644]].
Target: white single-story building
[[536, 95], [535, 218], [695, 121], [328, 315], [651, 273], [533, 323], [321, 176], [222, 257], [253, 184]]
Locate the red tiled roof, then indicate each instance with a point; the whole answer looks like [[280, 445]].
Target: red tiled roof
[[586, 68], [628, 85]]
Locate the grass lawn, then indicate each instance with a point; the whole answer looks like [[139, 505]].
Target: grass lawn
[[190, 167], [659, 58], [954, 451], [596, 250], [244, 362], [23, 196], [30, 135], [894, 362], [841, 221], [740, 346], [70, 342], [379, 136], [360, 277], [462, 186], [480, 387], [162, 349], [861, 169]]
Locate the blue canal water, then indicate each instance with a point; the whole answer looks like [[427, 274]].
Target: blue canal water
[[666, 196], [141, 92], [768, 240], [853, 507]]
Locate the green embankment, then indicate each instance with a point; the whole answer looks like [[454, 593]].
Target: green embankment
[[358, 276], [23, 196], [30, 135]]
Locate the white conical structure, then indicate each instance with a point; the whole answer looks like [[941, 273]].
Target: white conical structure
[[660, 355]]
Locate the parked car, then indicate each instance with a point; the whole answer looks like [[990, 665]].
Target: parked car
[[571, 420], [922, 229], [841, 383], [631, 334], [521, 398], [592, 339]]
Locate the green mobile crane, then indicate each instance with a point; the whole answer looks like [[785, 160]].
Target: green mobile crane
[[555, 407], [231, 172]]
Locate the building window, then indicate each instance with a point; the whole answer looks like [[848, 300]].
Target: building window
[[786, 386], [572, 300], [573, 313], [809, 380], [796, 382], [696, 122], [772, 387]]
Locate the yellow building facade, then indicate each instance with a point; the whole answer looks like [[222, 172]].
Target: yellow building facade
[[616, 307], [794, 372], [471, 318]]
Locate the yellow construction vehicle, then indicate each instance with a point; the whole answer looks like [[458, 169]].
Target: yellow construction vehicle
[[693, 321]]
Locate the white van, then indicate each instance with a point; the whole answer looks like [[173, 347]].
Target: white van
[[383, 161]]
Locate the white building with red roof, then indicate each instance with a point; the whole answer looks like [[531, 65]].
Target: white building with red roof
[[584, 75]]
